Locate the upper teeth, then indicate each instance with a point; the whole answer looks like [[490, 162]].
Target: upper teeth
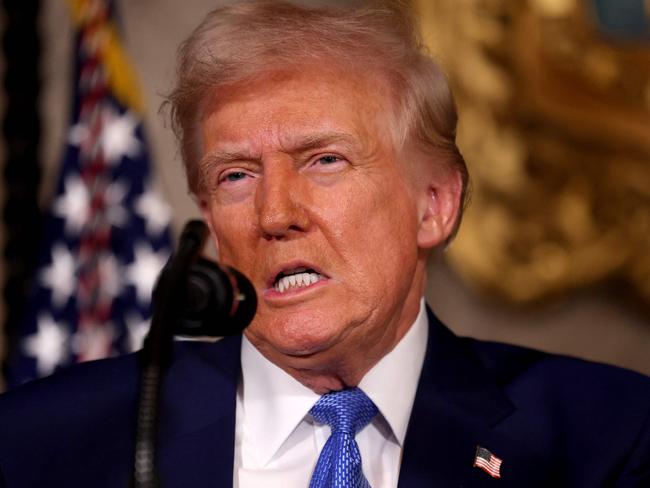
[[295, 280]]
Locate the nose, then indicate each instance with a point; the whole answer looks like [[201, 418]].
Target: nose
[[280, 202]]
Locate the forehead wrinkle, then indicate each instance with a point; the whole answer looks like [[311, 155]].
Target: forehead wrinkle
[[217, 157], [274, 138], [220, 156], [289, 143], [308, 142]]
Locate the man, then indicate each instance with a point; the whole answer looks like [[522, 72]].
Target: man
[[320, 146]]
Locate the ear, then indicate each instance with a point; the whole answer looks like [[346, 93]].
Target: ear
[[439, 207]]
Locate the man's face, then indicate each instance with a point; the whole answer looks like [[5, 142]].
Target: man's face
[[305, 196]]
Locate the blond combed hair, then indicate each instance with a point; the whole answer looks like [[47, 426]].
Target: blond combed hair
[[238, 42]]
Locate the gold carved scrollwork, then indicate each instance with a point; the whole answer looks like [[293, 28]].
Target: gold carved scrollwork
[[555, 127]]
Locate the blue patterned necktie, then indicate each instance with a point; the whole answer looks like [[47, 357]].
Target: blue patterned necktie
[[339, 464]]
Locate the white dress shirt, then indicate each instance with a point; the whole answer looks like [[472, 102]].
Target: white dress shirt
[[277, 442]]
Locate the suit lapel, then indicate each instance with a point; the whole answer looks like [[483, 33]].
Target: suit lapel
[[198, 415], [458, 406]]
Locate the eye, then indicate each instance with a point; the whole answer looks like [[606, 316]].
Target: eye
[[232, 176], [327, 164], [328, 159]]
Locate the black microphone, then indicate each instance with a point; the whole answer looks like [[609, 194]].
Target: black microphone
[[195, 297], [219, 301], [213, 300]]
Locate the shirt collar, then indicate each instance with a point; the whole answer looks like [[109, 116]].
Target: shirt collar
[[392, 382], [274, 403]]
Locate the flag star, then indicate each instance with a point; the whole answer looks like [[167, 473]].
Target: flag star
[[114, 198], [118, 138], [73, 204], [155, 212], [93, 341], [138, 329], [48, 346], [60, 275], [143, 271], [78, 134]]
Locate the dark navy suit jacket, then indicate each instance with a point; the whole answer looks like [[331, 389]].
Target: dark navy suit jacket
[[554, 421]]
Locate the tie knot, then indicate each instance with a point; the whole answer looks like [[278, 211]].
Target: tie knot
[[348, 410]]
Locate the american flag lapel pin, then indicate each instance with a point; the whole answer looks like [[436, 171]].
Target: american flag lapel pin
[[488, 462]]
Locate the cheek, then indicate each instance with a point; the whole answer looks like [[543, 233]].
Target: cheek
[[375, 231], [349, 208], [231, 227], [383, 214]]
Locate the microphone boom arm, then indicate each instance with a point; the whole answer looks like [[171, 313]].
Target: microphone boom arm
[[157, 351], [193, 297]]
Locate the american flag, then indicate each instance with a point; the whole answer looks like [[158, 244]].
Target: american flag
[[488, 462], [107, 231]]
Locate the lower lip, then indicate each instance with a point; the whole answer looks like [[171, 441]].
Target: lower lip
[[272, 294]]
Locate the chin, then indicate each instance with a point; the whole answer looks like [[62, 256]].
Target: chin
[[296, 335], [304, 343]]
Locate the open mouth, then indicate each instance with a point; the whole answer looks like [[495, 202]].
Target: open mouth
[[296, 278]]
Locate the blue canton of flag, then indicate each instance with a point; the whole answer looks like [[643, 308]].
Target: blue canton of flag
[[107, 232]]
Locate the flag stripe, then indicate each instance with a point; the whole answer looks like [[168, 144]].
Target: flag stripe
[[488, 462]]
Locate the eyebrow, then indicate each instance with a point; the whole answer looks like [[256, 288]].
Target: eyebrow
[[315, 141], [302, 145]]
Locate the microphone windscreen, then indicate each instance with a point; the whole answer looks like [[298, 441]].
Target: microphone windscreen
[[217, 302]]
